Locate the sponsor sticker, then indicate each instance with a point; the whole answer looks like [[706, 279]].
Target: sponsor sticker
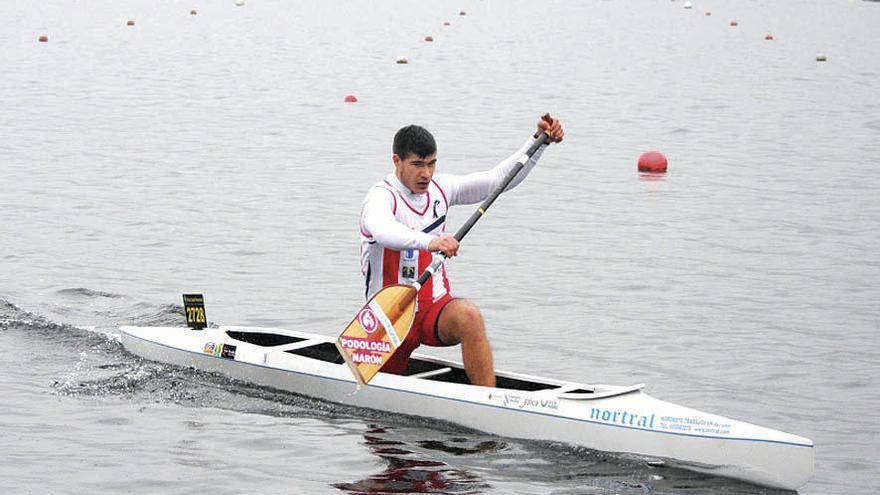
[[365, 345], [226, 351], [368, 320]]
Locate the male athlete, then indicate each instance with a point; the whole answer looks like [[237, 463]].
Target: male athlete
[[403, 220]]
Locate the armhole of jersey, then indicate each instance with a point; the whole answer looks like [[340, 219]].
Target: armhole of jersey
[[393, 198]]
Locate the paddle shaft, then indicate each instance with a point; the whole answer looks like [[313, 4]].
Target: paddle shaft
[[464, 229]]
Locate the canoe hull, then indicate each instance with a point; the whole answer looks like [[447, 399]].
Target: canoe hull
[[612, 419]]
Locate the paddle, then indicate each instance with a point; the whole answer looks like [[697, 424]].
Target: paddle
[[382, 324]]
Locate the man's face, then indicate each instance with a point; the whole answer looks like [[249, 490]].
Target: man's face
[[415, 172]]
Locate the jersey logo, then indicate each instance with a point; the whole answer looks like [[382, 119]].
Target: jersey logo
[[408, 272]]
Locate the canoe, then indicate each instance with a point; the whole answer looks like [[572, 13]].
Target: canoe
[[609, 418]]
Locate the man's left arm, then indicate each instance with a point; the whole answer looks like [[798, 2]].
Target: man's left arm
[[475, 187]]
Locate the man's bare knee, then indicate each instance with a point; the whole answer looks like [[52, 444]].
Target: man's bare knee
[[461, 321]]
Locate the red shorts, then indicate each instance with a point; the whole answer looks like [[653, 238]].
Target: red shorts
[[424, 331]]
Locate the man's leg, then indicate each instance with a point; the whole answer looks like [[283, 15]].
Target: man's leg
[[461, 322]]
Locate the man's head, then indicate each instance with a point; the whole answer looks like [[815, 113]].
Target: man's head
[[415, 155]]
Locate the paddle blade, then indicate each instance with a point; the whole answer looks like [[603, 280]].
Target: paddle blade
[[378, 329]]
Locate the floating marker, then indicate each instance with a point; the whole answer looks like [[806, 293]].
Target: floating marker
[[239, 3], [402, 60], [447, 23], [43, 38], [351, 99], [193, 12], [769, 37], [652, 161], [734, 23], [821, 58], [688, 5], [130, 22], [708, 13], [462, 13], [429, 38]]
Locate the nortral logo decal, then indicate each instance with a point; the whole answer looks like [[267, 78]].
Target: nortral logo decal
[[368, 320]]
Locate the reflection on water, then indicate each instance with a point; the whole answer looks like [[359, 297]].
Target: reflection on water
[[412, 472]]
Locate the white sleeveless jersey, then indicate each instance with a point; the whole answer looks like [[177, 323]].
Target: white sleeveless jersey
[[397, 225]]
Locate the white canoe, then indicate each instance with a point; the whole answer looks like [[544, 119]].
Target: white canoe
[[601, 417]]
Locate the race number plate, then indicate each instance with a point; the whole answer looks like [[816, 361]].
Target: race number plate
[[194, 305]]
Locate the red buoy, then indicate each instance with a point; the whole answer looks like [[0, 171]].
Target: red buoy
[[130, 22], [43, 38], [193, 12], [652, 161], [429, 38], [734, 23], [769, 37], [351, 99]]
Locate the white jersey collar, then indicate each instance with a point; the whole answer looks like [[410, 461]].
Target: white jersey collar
[[417, 200]]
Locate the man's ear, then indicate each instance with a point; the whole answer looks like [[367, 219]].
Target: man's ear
[[395, 159]]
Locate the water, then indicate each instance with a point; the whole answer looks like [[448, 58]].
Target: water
[[213, 153]]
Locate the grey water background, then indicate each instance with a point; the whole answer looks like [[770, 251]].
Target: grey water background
[[214, 153]]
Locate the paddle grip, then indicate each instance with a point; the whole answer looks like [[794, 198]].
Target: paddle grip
[[543, 139]]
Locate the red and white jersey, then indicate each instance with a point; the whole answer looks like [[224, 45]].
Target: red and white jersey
[[397, 225]]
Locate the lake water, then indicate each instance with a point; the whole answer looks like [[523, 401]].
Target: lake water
[[214, 153]]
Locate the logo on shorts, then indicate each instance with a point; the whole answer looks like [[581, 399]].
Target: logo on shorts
[[408, 272], [409, 254], [368, 320]]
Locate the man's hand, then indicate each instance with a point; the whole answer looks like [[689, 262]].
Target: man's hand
[[551, 126], [445, 243]]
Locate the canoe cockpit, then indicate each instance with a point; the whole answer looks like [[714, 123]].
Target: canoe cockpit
[[425, 369]]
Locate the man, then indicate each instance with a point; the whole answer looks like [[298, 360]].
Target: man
[[403, 220]]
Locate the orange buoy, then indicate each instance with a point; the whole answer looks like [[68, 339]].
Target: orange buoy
[[130, 22], [769, 37], [429, 38], [734, 23], [351, 99], [193, 12], [652, 161], [43, 38]]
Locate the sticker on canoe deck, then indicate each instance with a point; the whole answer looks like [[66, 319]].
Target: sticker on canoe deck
[[513, 401], [194, 305], [693, 425], [225, 351]]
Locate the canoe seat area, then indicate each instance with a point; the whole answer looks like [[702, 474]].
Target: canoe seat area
[[427, 370], [325, 351], [263, 339]]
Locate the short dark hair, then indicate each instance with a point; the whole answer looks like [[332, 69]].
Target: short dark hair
[[413, 139]]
